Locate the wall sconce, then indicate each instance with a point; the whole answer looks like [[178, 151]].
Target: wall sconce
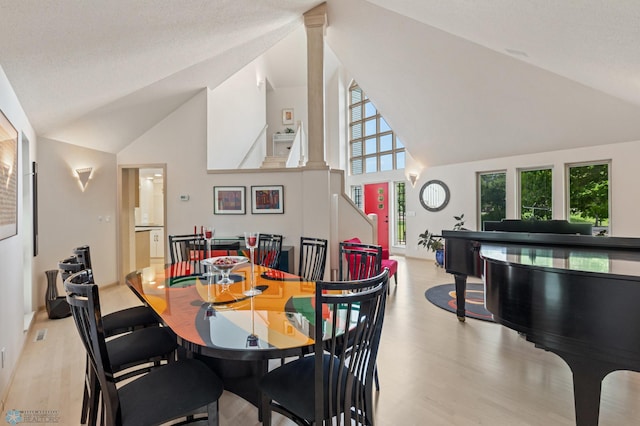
[[83, 176], [413, 178]]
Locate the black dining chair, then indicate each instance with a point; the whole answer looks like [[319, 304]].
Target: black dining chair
[[333, 382], [313, 258], [228, 248], [122, 321], [116, 323], [268, 250], [171, 391], [359, 260], [183, 248]]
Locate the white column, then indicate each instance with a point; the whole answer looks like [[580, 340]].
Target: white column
[[315, 22]]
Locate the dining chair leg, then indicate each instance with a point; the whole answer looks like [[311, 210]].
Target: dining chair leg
[[213, 411], [375, 378]]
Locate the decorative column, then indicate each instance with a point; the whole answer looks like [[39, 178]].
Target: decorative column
[[315, 21]]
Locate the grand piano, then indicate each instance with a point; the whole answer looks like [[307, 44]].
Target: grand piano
[[573, 295]]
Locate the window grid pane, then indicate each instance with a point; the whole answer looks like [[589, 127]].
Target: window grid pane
[[356, 149], [370, 146], [400, 160], [386, 162], [384, 127], [370, 127], [371, 164], [369, 110], [356, 95], [356, 113], [356, 166], [386, 142], [356, 131]]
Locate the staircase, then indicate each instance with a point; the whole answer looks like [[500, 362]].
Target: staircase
[[274, 162]]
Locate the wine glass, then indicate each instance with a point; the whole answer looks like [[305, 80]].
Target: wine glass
[[253, 341], [251, 241], [208, 233]]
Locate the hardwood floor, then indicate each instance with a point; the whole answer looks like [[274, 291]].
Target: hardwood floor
[[433, 370]]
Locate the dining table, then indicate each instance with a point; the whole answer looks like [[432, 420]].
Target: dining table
[[235, 334]]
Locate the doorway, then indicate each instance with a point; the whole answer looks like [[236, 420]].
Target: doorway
[[376, 200], [142, 211]]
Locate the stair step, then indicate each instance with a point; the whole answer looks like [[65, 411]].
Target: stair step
[[273, 161]]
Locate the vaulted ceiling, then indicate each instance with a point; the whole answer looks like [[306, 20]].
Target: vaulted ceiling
[[457, 80]]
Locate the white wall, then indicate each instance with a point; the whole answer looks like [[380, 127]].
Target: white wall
[[281, 98], [70, 217], [179, 141], [237, 116], [13, 260], [461, 179]]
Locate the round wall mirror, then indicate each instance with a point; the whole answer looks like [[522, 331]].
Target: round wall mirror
[[434, 195]]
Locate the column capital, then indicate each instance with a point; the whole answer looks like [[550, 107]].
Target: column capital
[[316, 17]]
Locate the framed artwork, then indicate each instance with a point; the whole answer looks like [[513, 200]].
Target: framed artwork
[[287, 116], [267, 199], [8, 178], [229, 200]]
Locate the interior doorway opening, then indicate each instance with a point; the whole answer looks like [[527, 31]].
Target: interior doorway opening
[[142, 217]]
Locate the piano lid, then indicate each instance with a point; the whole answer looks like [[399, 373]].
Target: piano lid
[[579, 259]]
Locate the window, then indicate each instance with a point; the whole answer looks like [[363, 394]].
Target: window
[[373, 147], [356, 195], [400, 222], [589, 195], [535, 194], [493, 196]]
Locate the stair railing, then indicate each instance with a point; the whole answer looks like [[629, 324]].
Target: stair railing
[[254, 146]]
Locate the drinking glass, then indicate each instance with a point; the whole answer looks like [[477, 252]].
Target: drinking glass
[[253, 341], [208, 233], [251, 241]]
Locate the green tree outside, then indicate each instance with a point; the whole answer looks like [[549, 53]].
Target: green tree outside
[[535, 194], [493, 196], [589, 194]]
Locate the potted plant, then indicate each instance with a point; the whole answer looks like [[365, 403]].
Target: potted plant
[[434, 242]]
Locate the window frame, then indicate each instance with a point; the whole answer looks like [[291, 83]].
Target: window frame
[[366, 156], [519, 188], [567, 187]]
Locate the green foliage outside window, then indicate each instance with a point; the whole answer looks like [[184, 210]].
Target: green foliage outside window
[[493, 196], [589, 194], [535, 194]]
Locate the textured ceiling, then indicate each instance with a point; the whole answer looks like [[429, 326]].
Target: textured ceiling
[[594, 42], [76, 65], [98, 74]]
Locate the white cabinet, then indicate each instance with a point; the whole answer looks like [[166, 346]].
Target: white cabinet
[[157, 242]]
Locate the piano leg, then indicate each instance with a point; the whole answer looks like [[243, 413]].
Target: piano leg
[[587, 383], [461, 289]]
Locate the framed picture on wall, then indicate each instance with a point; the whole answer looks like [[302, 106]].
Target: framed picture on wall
[[267, 199], [287, 116], [8, 178], [229, 200]]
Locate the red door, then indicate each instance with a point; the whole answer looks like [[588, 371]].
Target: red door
[[376, 200]]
